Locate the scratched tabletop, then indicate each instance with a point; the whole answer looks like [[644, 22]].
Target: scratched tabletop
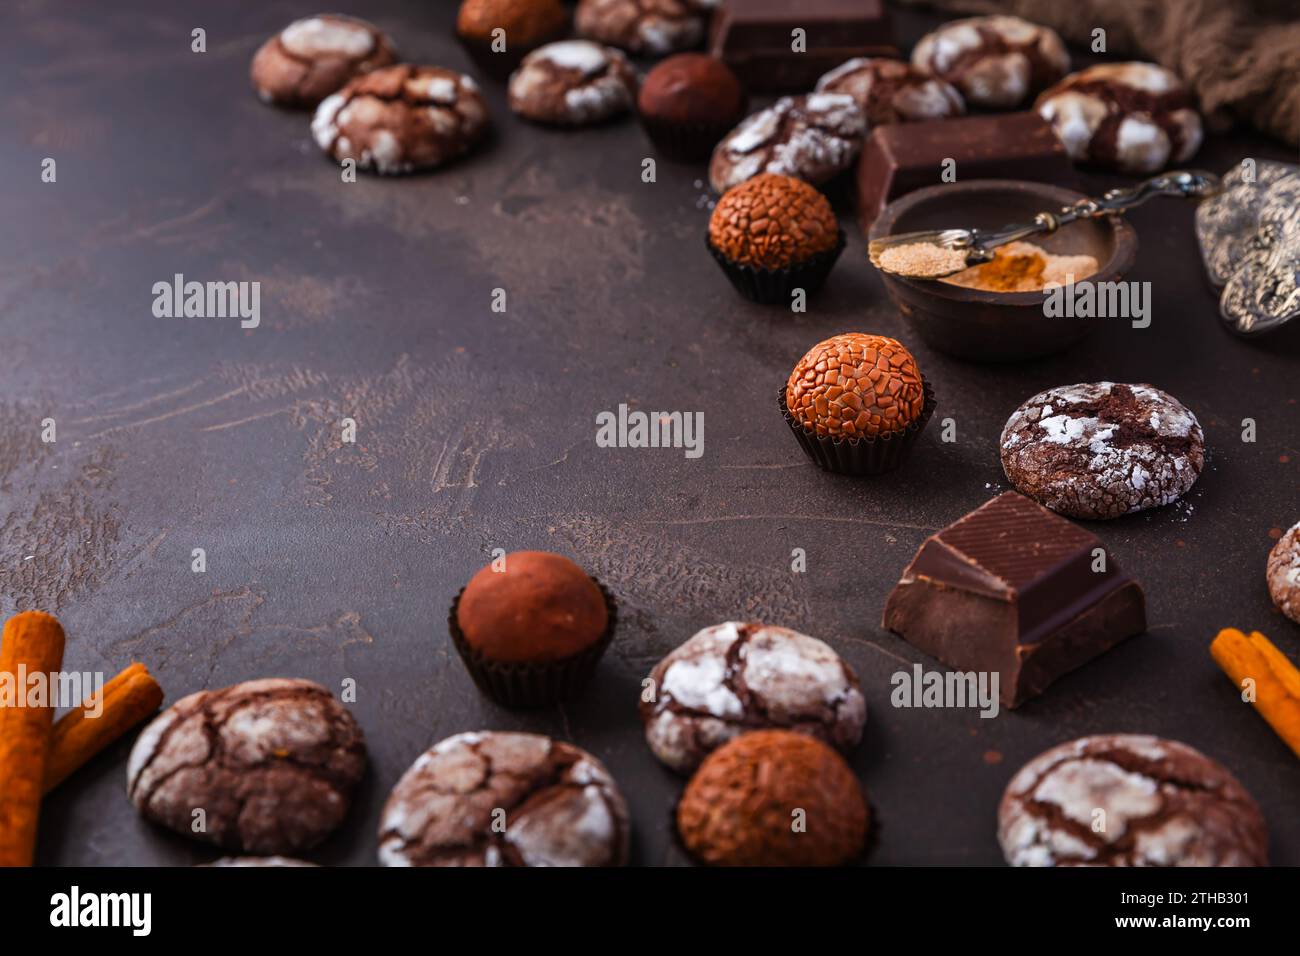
[[476, 430]]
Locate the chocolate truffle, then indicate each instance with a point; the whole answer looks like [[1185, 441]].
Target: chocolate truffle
[[537, 607], [643, 27], [1133, 117], [1129, 800], [813, 137], [402, 119], [772, 222], [1100, 449], [856, 385], [735, 677], [271, 763], [573, 83], [688, 102], [996, 61], [504, 799], [1283, 573], [312, 58], [773, 798], [892, 91], [527, 24], [531, 627]]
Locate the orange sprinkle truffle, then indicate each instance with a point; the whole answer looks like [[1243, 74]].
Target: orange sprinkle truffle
[[772, 222], [856, 386]]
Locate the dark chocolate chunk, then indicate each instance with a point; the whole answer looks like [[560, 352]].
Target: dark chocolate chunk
[[901, 157], [1016, 589], [755, 38]]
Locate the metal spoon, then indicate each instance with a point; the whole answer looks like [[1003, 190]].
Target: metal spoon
[[978, 244]]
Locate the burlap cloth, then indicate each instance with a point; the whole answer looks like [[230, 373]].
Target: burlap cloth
[[1241, 57]]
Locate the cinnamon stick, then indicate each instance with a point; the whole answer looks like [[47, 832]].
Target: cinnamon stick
[[32, 644], [121, 703], [1276, 680]]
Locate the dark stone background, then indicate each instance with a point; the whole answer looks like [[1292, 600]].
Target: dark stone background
[[477, 431]]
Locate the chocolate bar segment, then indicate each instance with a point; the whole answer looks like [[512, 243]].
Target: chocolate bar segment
[[755, 38], [900, 157], [1011, 588]]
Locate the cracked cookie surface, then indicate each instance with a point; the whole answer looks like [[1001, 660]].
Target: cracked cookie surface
[[813, 138], [735, 677], [1129, 800], [504, 799], [402, 119], [573, 83], [313, 57], [271, 763], [1283, 573], [1101, 450]]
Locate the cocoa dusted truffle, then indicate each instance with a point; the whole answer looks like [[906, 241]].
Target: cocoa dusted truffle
[[313, 57], [526, 25], [856, 385], [773, 798], [689, 102], [531, 627], [773, 234]]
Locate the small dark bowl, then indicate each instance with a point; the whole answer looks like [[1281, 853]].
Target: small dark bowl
[[999, 326]]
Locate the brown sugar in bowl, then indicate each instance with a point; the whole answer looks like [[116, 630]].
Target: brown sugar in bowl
[[985, 326]]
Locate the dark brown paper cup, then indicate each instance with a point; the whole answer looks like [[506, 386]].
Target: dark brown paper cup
[[532, 685], [685, 142], [860, 456], [770, 286]]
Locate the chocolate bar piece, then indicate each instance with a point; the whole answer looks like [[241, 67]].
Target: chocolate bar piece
[[1016, 589], [900, 157], [755, 38]]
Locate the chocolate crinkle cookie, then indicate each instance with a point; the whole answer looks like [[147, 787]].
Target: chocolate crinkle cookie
[[735, 677], [811, 137], [312, 58], [650, 27], [891, 91], [1284, 573], [402, 119], [504, 799], [1133, 117], [573, 83], [271, 764], [1102, 450], [996, 61], [1129, 800]]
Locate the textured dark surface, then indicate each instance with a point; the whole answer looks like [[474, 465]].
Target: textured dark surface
[[476, 430]]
